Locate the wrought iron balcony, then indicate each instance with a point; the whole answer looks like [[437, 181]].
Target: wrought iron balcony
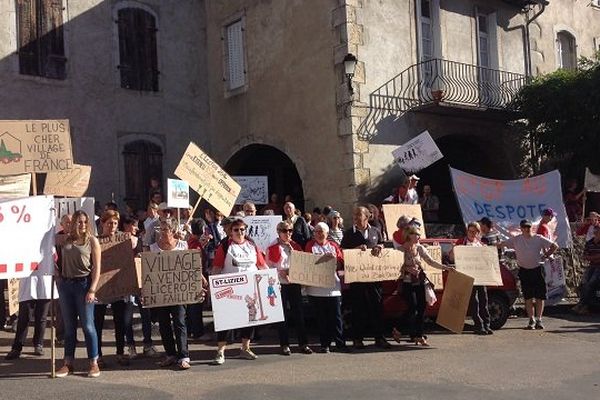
[[440, 82]]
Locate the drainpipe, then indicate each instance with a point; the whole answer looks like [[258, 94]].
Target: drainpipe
[[528, 67]]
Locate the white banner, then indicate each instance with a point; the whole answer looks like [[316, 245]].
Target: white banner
[[592, 181], [506, 203], [262, 229], [178, 193], [70, 205], [554, 275], [245, 299], [254, 189], [14, 186], [27, 236], [418, 153]]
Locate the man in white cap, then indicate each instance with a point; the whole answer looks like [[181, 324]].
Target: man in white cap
[[412, 197]]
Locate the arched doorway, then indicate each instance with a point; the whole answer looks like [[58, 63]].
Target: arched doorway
[[142, 160], [259, 159]]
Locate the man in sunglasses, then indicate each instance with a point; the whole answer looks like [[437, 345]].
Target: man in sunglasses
[[531, 250]]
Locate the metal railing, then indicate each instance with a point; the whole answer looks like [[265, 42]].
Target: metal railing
[[444, 82]]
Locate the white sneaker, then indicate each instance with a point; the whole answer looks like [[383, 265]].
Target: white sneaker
[[151, 352], [219, 358], [247, 354], [132, 352]]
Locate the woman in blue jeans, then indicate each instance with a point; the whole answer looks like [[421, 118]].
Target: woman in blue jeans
[[77, 282]]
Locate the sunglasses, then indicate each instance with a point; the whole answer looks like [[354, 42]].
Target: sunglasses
[[286, 230], [474, 232], [239, 230]]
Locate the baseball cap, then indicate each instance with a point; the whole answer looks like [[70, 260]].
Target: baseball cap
[[549, 212], [525, 223], [163, 206], [414, 178]]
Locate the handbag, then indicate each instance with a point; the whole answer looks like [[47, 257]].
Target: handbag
[[430, 297]]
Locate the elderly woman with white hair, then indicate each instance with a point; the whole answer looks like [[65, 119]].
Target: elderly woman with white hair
[[327, 301]]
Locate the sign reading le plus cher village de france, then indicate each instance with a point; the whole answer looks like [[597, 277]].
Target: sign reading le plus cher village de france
[[35, 146]]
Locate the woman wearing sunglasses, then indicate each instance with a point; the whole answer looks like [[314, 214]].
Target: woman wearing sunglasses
[[278, 256], [238, 254]]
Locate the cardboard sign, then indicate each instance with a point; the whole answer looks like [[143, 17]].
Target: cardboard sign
[[361, 266], [70, 205], [71, 183], [14, 186], [312, 269], [27, 236], [35, 146], [171, 278], [435, 275], [480, 263], [118, 276], [178, 193], [262, 229], [392, 212], [418, 153], [254, 189], [13, 296], [245, 299], [208, 179], [556, 284], [455, 301]]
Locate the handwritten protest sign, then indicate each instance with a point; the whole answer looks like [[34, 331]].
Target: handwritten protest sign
[[480, 263], [418, 153], [178, 193], [13, 296], [70, 205], [245, 299], [208, 179], [262, 229], [435, 275], [35, 146], [71, 183], [508, 202], [312, 269], [118, 275], [254, 189], [27, 236], [455, 301], [556, 284], [392, 212], [171, 277], [14, 186], [361, 266]]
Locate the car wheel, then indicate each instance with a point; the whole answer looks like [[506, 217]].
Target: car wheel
[[499, 310]]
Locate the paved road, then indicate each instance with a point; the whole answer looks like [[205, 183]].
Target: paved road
[[559, 363]]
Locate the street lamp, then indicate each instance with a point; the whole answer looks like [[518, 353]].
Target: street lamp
[[349, 68]]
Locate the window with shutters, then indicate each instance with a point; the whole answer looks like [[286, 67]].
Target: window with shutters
[[566, 48], [41, 38], [138, 56], [235, 69]]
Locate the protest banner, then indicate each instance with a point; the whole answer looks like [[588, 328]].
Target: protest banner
[[480, 263], [35, 146], [70, 205], [391, 213], [245, 299], [14, 186], [507, 202], [262, 229], [27, 236], [556, 284], [592, 181], [171, 277], [13, 296], [455, 301], [208, 179], [178, 193], [417, 154], [70, 183], [253, 188], [435, 275], [118, 276], [312, 269], [362, 266]]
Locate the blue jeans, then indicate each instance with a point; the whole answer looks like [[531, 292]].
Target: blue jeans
[[171, 320], [72, 303]]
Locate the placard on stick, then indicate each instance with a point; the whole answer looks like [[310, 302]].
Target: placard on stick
[[362, 266], [480, 263], [262, 229], [70, 183], [312, 269], [13, 296], [178, 193], [14, 186], [392, 212], [436, 276], [171, 278], [118, 275], [455, 301]]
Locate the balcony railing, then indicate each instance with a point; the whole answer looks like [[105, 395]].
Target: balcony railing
[[441, 82]]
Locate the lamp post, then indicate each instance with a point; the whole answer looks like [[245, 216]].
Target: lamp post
[[349, 69]]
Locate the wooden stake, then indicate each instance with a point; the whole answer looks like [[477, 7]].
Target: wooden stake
[[194, 209], [33, 184]]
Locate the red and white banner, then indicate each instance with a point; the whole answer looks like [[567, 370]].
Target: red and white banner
[[27, 236]]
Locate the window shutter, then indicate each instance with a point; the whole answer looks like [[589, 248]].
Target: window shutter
[[125, 24], [235, 59], [149, 60], [52, 47], [28, 45]]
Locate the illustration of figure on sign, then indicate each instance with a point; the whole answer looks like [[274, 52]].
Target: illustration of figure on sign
[[271, 292], [258, 296], [6, 155], [251, 304]]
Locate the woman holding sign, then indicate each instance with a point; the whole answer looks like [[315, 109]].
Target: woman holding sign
[[79, 276], [237, 254]]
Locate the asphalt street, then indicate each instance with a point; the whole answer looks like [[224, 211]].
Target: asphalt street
[[561, 362]]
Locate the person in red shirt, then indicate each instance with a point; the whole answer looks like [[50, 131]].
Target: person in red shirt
[[547, 215]]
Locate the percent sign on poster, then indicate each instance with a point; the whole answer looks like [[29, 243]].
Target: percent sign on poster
[[17, 212]]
